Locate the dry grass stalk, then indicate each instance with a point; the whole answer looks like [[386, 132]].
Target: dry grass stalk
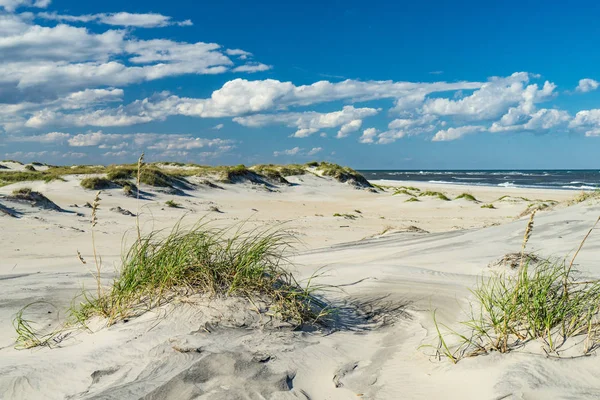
[[97, 259], [566, 289], [526, 237]]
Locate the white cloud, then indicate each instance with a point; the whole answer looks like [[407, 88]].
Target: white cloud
[[289, 152], [12, 5], [150, 20], [40, 62], [52, 137], [587, 121], [118, 154], [314, 150], [538, 121], [218, 127], [368, 135], [456, 133], [150, 141], [348, 128], [252, 67], [493, 98], [307, 123], [243, 55], [587, 85]]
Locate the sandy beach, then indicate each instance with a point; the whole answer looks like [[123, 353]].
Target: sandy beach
[[392, 262]]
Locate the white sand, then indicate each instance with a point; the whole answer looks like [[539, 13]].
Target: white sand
[[400, 276]]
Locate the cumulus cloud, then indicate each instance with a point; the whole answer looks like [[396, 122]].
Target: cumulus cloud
[[587, 85], [149, 20], [51, 137], [493, 98], [40, 62], [348, 128], [587, 121], [368, 135], [252, 67], [12, 5], [314, 150], [289, 152], [307, 123], [242, 54], [456, 133], [298, 151], [218, 127]]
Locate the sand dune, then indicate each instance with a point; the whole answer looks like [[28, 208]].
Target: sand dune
[[392, 276]]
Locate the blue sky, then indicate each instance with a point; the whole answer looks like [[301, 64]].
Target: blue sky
[[378, 84]]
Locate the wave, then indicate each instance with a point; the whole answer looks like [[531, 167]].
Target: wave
[[582, 187]]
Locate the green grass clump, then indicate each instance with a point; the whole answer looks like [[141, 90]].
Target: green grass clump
[[346, 216], [410, 200], [403, 191], [546, 301], [172, 204], [207, 261], [95, 183], [29, 336], [439, 195], [121, 174], [491, 206], [411, 188], [30, 168], [343, 174], [584, 196], [10, 177], [155, 177], [467, 196]]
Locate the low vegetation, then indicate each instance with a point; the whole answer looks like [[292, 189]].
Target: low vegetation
[[346, 216], [491, 206], [341, 174], [412, 199], [585, 196], [439, 195], [206, 261], [546, 301], [404, 192], [95, 183], [172, 204], [467, 196], [202, 260]]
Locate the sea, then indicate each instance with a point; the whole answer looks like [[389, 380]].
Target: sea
[[542, 179]]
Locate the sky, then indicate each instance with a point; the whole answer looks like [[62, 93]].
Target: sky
[[372, 85]]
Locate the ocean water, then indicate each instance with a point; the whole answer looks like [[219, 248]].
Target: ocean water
[[552, 179]]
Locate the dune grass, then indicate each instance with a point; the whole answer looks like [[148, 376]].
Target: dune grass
[[209, 261], [467, 196], [345, 215], [439, 195], [172, 204], [30, 335], [585, 196], [341, 174], [490, 206], [412, 199], [95, 183], [403, 191], [548, 301]]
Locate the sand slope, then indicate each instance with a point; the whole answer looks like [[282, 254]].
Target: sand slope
[[221, 349]]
